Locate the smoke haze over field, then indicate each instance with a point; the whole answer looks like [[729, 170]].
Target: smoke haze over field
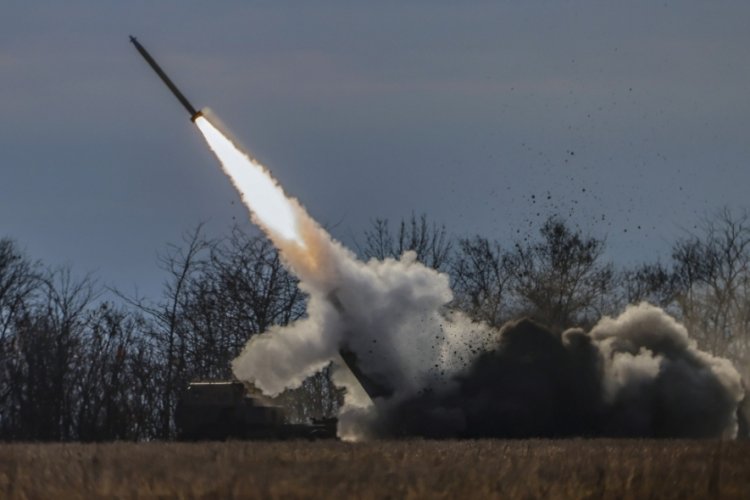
[[433, 372]]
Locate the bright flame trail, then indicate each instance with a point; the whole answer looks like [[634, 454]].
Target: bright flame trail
[[259, 191]]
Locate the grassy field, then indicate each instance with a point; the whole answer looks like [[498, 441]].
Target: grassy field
[[386, 469]]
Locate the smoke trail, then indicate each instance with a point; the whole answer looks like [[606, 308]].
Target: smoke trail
[[432, 372]]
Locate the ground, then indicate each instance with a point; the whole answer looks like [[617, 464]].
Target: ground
[[395, 469]]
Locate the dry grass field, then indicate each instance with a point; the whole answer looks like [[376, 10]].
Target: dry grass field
[[386, 469]]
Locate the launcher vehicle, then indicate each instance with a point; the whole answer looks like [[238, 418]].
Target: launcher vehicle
[[230, 410]]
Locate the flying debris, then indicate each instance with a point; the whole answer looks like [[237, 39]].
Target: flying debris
[[180, 97]]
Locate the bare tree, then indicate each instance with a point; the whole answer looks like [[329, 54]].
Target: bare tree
[[713, 273], [243, 290], [252, 277], [481, 280], [653, 283], [41, 370], [115, 390], [430, 241], [19, 279], [72, 367], [165, 320], [560, 280]]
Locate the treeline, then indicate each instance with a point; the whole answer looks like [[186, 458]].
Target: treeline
[[561, 278], [78, 362]]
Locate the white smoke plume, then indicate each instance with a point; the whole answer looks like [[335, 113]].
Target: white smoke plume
[[648, 354], [427, 361], [388, 313]]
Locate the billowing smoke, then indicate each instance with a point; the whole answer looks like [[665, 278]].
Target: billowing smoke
[[638, 375], [412, 367]]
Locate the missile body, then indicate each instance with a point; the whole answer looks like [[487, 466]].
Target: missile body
[[150, 60]]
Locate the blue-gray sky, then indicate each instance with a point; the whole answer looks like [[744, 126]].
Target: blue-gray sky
[[631, 118]]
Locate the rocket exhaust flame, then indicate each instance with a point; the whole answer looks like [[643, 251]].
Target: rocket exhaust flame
[[305, 246], [260, 192]]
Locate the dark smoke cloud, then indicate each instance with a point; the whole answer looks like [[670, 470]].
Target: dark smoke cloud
[[638, 375]]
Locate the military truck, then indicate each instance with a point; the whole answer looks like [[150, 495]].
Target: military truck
[[233, 410]]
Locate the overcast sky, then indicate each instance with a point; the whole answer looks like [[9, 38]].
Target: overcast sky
[[631, 119]]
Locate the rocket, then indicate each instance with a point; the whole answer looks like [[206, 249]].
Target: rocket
[[180, 97]]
